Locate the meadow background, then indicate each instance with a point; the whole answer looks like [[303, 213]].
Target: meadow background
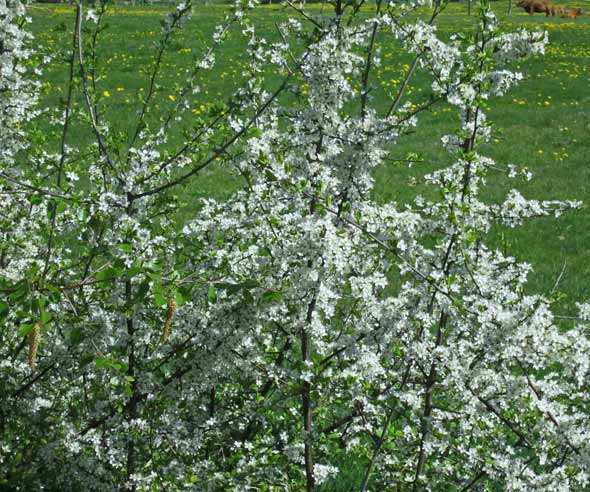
[[544, 124]]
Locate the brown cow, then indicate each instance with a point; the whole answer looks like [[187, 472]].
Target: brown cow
[[557, 10], [571, 13], [532, 6]]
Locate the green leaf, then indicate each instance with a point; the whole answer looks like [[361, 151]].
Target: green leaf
[[212, 294], [25, 329], [133, 271], [272, 295], [159, 299], [45, 317], [52, 288], [3, 309], [153, 275], [142, 291], [248, 297], [76, 336], [183, 295], [107, 274], [110, 363], [102, 362], [21, 291], [86, 359], [126, 247], [35, 199]]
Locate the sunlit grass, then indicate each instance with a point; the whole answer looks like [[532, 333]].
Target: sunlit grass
[[544, 124]]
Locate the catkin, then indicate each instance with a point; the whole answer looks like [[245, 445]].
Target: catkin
[[34, 339], [169, 317]]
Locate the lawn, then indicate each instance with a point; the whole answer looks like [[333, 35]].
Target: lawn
[[544, 124]]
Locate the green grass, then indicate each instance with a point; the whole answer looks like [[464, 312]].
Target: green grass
[[544, 124]]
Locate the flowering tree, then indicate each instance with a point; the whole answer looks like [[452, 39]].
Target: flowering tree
[[246, 348]]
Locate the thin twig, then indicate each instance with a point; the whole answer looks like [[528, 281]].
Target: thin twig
[[155, 71], [220, 150], [410, 73], [377, 450], [62, 157], [367, 71], [559, 277], [90, 106], [40, 191]]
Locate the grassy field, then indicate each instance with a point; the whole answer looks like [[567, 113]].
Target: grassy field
[[544, 124]]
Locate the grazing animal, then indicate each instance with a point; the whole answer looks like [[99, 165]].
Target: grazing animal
[[571, 13], [557, 10], [532, 6]]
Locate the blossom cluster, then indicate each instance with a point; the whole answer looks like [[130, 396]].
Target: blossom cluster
[[256, 343]]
